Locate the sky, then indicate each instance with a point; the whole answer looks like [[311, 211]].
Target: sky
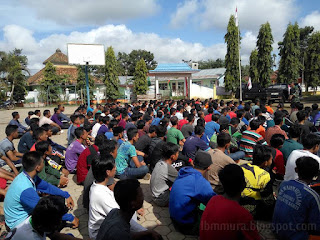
[[171, 29]]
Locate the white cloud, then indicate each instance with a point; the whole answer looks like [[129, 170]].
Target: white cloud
[[166, 50], [313, 19], [215, 14], [90, 12], [184, 13], [60, 15]]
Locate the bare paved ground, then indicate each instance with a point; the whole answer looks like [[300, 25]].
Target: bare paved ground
[[155, 217]]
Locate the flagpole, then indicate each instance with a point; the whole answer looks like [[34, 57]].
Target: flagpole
[[240, 86]]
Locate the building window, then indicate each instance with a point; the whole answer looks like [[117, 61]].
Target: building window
[[163, 86]]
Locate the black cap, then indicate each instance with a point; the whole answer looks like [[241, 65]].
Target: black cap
[[202, 160]]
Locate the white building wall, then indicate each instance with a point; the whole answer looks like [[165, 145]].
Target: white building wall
[[200, 92]]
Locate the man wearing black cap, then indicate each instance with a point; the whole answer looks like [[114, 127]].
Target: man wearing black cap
[[189, 190]]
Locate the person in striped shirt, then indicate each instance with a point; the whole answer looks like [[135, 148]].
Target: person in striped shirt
[[250, 138]]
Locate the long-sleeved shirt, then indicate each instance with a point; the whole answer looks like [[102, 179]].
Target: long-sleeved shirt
[[21, 128], [22, 197], [26, 142], [63, 117], [55, 118]]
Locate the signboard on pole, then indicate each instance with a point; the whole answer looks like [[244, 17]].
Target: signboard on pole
[[81, 54], [86, 54]]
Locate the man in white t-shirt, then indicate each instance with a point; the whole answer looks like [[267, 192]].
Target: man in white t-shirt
[[46, 120], [311, 143], [102, 199], [97, 126]]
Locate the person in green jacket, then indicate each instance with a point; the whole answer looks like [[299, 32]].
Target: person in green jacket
[[48, 173]]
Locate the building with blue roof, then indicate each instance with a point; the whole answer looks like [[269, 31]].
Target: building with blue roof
[[179, 79]]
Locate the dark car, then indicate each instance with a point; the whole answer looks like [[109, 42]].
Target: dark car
[[279, 92]]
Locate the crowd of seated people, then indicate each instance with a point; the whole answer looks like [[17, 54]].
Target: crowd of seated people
[[210, 162]]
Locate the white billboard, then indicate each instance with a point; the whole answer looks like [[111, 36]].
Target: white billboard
[[82, 54]]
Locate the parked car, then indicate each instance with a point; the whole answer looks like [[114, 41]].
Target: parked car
[[279, 92]]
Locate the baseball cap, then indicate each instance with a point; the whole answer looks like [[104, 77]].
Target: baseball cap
[[202, 160]]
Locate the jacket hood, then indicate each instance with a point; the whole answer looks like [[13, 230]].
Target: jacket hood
[[186, 171]]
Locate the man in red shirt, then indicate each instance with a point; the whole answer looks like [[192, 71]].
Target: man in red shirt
[[208, 117], [223, 217], [84, 162]]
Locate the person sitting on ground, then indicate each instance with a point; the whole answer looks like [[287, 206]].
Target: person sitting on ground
[[301, 123], [164, 175], [298, 203], [75, 123], [37, 112], [102, 199], [62, 116], [276, 142], [39, 226], [129, 196], [156, 120], [212, 127], [156, 146], [184, 120], [143, 142], [140, 125], [250, 138], [311, 143], [14, 121], [132, 124], [148, 120], [75, 149], [194, 143], [56, 148], [257, 197], [97, 125], [39, 134], [48, 173], [219, 161], [86, 157], [118, 135], [6, 176], [27, 140], [22, 195], [104, 123], [113, 123], [28, 118], [127, 161], [55, 118], [107, 147], [189, 190], [174, 135], [46, 119], [224, 211], [276, 129], [208, 117], [291, 144], [7, 147], [187, 129], [255, 106]]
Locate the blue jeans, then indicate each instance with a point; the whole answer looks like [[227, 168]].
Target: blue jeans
[[133, 172], [237, 155]]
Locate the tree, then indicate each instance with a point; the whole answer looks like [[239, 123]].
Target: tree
[[231, 78], [305, 34], [253, 71], [290, 53], [129, 61], [111, 79], [244, 71], [312, 78], [51, 82], [264, 45], [81, 81], [210, 63], [13, 71], [140, 78]]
